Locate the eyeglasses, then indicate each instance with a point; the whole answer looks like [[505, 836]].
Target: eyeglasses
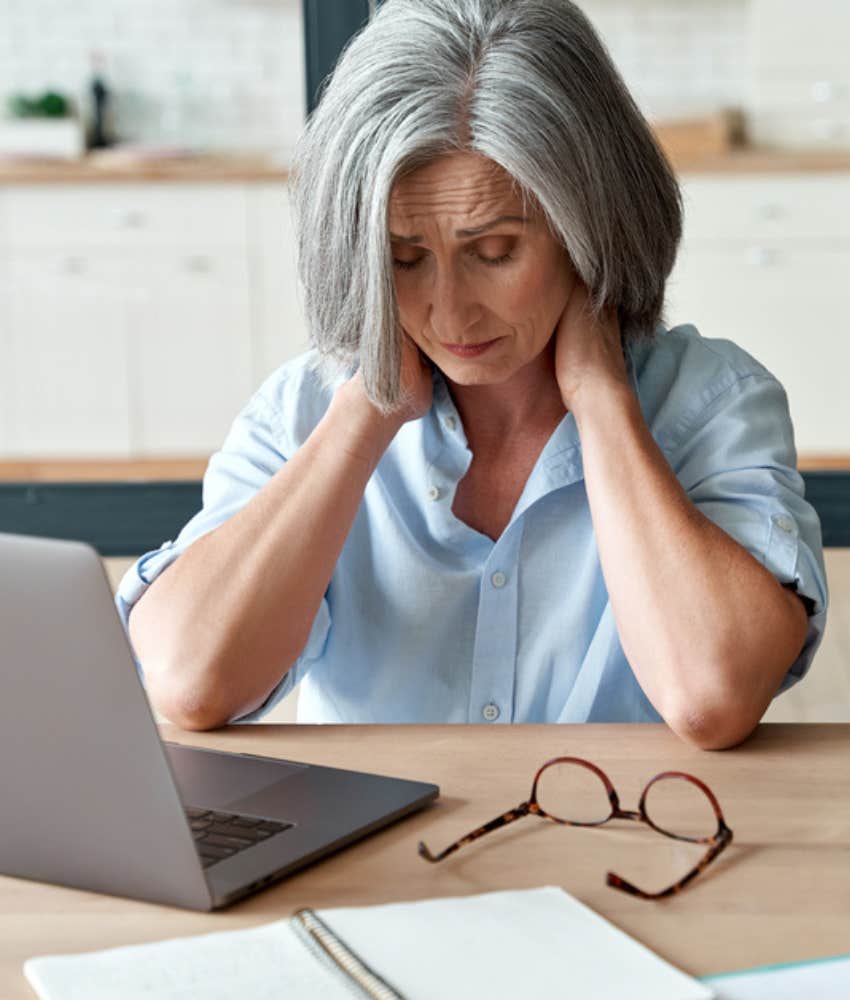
[[575, 792]]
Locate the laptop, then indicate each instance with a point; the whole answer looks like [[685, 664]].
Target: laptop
[[90, 795]]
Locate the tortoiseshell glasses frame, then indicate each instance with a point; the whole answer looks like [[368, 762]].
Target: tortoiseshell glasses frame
[[716, 843]]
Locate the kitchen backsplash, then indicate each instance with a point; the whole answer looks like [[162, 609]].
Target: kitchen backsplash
[[217, 74], [229, 74], [679, 58]]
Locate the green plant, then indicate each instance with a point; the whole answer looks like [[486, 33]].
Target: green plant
[[48, 105]]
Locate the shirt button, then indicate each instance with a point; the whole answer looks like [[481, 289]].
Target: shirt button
[[491, 712], [434, 493], [498, 579], [783, 523], [450, 422]]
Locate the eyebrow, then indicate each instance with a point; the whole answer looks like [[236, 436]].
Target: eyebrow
[[465, 233]]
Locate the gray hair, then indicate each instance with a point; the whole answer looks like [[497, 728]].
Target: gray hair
[[527, 84]]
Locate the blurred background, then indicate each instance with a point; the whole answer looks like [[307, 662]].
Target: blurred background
[[147, 270]]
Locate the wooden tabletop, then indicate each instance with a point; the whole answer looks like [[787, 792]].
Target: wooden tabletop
[[780, 893], [192, 467]]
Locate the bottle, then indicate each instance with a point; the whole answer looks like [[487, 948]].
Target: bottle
[[100, 136]]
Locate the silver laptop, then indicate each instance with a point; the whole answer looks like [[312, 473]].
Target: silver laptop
[[90, 796]]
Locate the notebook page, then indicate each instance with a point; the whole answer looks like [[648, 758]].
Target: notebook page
[[263, 963], [495, 945], [501, 944]]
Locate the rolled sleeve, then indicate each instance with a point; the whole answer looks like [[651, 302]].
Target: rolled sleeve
[[738, 466], [254, 450]]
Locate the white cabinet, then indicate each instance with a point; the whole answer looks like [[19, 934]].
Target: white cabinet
[[190, 350], [280, 325], [126, 215], [765, 263], [137, 319], [65, 371]]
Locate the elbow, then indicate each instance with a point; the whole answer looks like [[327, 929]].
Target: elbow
[[196, 718], [713, 722], [712, 731], [193, 706], [205, 699]]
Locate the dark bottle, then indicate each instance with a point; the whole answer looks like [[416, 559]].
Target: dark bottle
[[100, 135]]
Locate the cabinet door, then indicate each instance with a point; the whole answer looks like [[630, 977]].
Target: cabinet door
[[789, 308], [767, 207], [190, 350], [6, 380], [65, 355], [281, 330]]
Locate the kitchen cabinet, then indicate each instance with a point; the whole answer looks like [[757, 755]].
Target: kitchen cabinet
[[765, 262], [137, 319], [65, 371], [280, 328], [189, 352], [4, 349]]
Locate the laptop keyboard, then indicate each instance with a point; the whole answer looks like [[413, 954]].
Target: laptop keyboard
[[221, 835]]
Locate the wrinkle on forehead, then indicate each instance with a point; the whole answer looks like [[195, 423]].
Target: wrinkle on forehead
[[462, 185]]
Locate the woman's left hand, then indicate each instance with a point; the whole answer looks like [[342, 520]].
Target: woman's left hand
[[588, 351]]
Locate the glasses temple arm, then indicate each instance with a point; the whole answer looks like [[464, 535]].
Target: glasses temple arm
[[618, 882], [494, 824]]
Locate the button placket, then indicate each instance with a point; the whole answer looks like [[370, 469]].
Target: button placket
[[493, 675], [447, 460]]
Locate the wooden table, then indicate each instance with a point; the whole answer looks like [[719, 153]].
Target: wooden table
[[780, 893]]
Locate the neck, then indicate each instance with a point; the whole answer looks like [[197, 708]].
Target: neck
[[528, 402]]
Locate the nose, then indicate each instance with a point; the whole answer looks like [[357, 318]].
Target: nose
[[453, 307]]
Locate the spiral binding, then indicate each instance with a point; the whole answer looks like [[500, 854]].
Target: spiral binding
[[318, 934]]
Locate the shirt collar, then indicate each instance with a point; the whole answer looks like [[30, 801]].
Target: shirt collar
[[560, 463]]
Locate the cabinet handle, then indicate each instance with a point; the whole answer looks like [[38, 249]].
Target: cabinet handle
[[74, 265], [132, 219], [198, 263], [771, 210], [763, 256], [824, 91]]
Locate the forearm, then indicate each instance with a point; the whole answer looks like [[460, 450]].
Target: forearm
[[217, 630], [708, 631]]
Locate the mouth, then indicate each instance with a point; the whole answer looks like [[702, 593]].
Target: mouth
[[470, 350]]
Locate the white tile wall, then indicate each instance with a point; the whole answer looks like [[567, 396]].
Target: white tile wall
[[678, 58], [237, 63], [801, 72]]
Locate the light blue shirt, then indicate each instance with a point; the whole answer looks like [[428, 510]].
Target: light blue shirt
[[427, 620]]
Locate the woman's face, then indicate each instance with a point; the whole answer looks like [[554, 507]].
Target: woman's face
[[481, 283]]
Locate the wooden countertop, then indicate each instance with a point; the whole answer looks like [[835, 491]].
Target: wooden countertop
[[192, 468], [747, 160], [94, 170], [220, 168], [103, 470]]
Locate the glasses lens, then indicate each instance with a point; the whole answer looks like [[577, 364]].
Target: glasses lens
[[574, 793], [679, 807]]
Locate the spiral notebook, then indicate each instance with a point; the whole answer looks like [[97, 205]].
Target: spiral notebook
[[497, 945]]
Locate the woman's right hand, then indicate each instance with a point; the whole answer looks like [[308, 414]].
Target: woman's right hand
[[371, 431]]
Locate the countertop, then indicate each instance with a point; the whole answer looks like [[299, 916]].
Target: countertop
[[191, 468], [194, 169], [257, 168]]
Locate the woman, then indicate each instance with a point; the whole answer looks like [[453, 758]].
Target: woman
[[498, 489]]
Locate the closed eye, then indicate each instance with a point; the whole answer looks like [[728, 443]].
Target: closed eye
[[409, 265]]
